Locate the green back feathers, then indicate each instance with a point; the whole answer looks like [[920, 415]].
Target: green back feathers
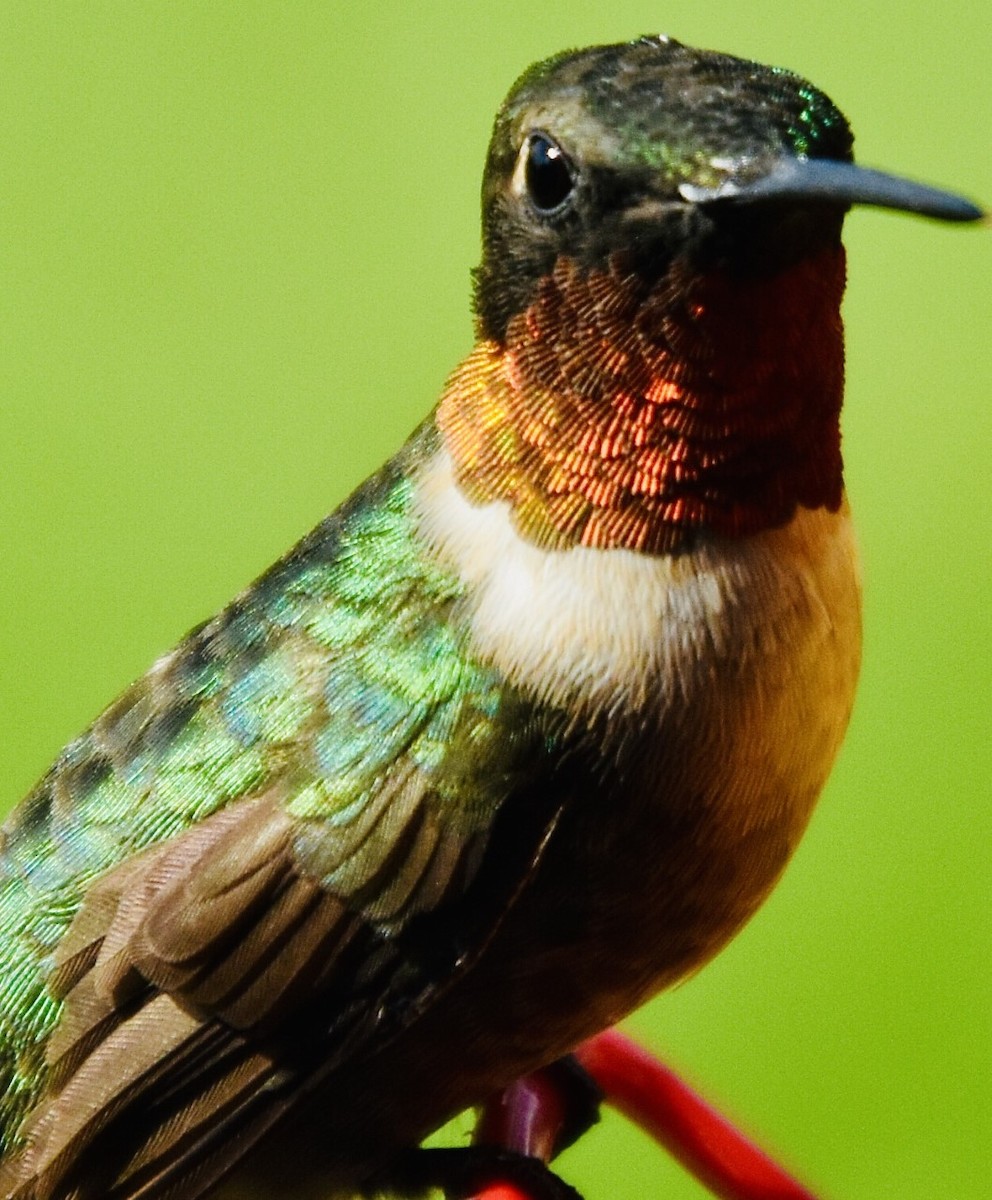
[[339, 681]]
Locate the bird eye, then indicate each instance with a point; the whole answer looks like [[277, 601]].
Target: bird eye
[[547, 173]]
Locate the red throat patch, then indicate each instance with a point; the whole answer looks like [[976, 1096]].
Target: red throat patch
[[621, 416]]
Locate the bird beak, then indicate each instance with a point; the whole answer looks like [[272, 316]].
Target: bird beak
[[826, 181]]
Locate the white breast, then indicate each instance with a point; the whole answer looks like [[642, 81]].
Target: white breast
[[623, 631]]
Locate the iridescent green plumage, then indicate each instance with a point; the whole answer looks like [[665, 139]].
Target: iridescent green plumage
[[337, 666]]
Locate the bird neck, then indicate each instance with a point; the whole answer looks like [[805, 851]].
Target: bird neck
[[621, 413]]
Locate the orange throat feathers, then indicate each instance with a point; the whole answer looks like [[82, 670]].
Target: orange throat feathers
[[618, 415]]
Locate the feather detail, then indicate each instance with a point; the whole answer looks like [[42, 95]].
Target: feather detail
[[199, 982], [262, 848], [621, 416]]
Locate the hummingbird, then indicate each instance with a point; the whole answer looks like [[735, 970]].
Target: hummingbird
[[519, 735]]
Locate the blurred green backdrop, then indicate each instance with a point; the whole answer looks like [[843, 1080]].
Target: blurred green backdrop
[[234, 251]]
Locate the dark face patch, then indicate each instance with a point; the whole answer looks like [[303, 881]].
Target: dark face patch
[[633, 122]]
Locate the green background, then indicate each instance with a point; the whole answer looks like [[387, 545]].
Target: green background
[[234, 252]]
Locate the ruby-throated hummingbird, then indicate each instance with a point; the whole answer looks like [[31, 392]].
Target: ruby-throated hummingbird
[[523, 732]]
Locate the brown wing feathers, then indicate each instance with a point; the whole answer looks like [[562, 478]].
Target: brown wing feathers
[[170, 956], [208, 980]]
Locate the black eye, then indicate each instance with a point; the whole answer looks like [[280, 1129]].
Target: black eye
[[547, 173]]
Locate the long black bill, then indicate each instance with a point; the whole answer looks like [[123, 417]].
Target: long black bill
[[831, 182]]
